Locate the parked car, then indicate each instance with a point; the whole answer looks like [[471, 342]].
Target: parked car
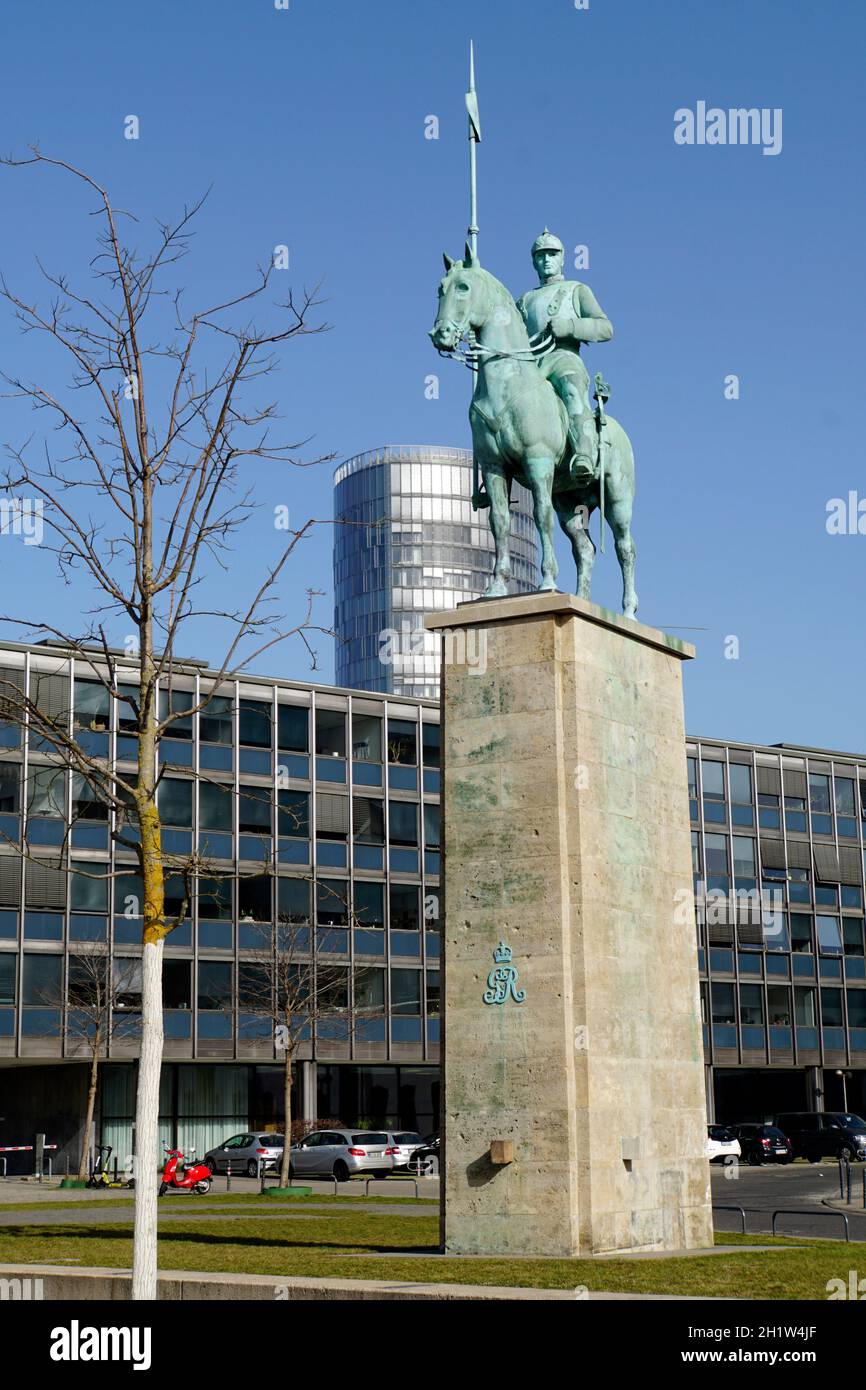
[[817, 1134], [425, 1161], [342, 1153], [763, 1144], [722, 1143], [245, 1152], [403, 1143]]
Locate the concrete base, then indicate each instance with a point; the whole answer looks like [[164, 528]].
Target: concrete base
[[574, 1117]]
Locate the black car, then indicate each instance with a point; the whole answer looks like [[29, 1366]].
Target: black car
[[763, 1144], [817, 1134], [424, 1161]]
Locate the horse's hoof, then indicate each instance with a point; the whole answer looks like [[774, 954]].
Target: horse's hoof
[[497, 588], [547, 586]]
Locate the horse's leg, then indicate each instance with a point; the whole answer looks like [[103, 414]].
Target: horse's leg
[[539, 471], [574, 520], [618, 513], [500, 525]]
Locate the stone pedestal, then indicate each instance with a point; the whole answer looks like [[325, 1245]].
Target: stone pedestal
[[574, 1110]]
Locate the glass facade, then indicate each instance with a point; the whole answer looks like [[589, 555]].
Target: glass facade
[[316, 809], [406, 543], [778, 837]]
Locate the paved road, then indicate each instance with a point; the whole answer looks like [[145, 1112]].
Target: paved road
[[803, 1187]]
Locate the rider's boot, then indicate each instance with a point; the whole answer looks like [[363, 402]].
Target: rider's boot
[[583, 466]]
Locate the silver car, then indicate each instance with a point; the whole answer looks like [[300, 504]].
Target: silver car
[[341, 1153], [403, 1143], [245, 1152]]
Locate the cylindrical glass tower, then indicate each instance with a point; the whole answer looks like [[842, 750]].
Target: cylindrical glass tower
[[406, 543]]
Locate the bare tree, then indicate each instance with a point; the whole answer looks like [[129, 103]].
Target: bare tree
[[301, 995], [137, 480], [98, 1011]]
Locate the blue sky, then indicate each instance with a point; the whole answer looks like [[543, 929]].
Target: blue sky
[[710, 260]]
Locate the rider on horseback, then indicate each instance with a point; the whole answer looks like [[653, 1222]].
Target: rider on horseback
[[571, 314]]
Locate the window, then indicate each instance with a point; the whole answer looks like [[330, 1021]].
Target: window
[[404, 907], [293, 900], [752, 1006], [254, 810], [402, 742], [433, 994], [852, 933], [403, 822], [805, 1007], [89, 886], [42, 981], [744, 856], [801, 932], [293, 731], [126, 983], [254, 720], [127, 723], [86, 801], [844, 790], [215, 806], [175, 802], [10, 788], [713, 778], [176, 984], [369, 820], [829, 938], [431, 825], [779, 1006], [293, 814], [214, 984], [92, 706], [692, 766], [722, 996], [7, 978], [366, 738], [332, 817], [431, 736], [369, 904], [406, 991], [819, 793], [369, 990], [128, 895], [856, 1008], [175, 702], [741, 783], [47, 792], [215, 721], [831, 1008], [330, 733], [215, 899], [332, 902], [255, 898]]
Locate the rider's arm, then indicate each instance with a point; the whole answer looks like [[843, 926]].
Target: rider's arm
[[591, 324]]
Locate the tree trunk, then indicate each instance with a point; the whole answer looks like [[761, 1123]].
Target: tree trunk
[[287, 1103], [91, 1103], [147, 1157]]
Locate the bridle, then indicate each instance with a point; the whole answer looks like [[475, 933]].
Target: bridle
[[475, 354]]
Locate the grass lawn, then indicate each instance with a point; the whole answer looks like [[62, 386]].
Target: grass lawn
[[364, 1245]]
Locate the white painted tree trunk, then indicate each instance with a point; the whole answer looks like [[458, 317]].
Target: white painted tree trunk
[[147, 1152]]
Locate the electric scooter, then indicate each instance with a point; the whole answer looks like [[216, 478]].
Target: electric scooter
[[100, 1176], [196, 1176]]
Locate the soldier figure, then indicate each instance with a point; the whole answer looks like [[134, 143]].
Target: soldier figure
[[571, 314]]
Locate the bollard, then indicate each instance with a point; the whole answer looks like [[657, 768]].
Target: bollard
[[40, 1156], [261, 1177], [863, 1176], [115, 1168], [841, 1180], [229, 1176], [848, 1167]]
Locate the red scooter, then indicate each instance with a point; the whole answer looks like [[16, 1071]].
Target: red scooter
[[196, 1176]]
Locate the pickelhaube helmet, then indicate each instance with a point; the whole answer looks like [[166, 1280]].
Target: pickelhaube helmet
[[547, 242]]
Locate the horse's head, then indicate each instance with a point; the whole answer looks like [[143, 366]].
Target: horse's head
[[463, 302]]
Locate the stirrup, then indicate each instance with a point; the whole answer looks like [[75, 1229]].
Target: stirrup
[[582, 470]]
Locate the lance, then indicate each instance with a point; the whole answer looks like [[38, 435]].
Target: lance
[[602, 395], [479, 499]]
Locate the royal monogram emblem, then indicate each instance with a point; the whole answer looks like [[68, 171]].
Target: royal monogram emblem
[[502, 980]]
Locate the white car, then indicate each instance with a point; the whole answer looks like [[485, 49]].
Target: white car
[[722, 1143], [403, 1143]]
